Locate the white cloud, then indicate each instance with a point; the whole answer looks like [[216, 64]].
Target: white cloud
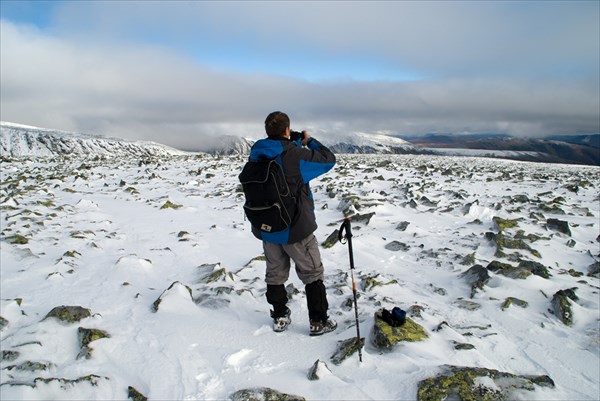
[[151, 92]]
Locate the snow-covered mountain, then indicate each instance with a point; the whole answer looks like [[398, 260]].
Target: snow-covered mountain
[[226, 145], [25, 141], [364, 143]]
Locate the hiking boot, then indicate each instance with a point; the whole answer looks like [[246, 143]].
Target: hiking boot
[[318, 327], [281, 323]]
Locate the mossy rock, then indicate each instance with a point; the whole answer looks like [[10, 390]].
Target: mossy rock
[[331, 240], [515, 272], [171, 205], [10, 356], [385, 337], [459, 383], [551, 208], [363, 218], [213, 273], [317, 370], [503, 241], [263, 394], [135, 395], [468, 260], [86, 336], [561, 306], [71, 254], [371, 282], [572, 273], [29, 366], [466, 304], [496, 266], [529, 237], [514, 301], [536, 268], [463, 346], [519, 199], [69, 314], [68, 383], [345, 349], [260, 258], [156, 304], [503, 224], [17, 239], [594, 269]]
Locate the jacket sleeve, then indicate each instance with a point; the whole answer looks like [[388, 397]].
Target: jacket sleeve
[[315, 161]]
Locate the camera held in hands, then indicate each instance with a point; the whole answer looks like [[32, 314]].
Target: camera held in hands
[[295, 135]]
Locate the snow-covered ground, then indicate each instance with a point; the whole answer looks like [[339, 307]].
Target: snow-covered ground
[[99, 236]]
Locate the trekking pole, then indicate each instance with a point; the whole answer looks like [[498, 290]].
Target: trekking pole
[[346, 227]]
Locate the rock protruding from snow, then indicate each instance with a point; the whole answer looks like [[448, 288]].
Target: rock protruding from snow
[[69, 314], [263, 394], [386, 337], [467, 383]]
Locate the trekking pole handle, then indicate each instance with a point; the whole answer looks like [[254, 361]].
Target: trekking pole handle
[[346, 229]]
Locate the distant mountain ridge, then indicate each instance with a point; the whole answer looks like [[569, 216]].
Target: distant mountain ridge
[[576, 149], [18, 141]]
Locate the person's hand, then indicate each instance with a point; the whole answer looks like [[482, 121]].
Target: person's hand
[[306, 137]]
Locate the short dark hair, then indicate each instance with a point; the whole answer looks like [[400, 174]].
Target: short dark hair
[[276, 123]]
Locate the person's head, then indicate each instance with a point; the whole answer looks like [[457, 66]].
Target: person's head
[[277, 124]]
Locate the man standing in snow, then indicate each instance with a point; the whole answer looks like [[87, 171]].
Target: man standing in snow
[[301, 160]]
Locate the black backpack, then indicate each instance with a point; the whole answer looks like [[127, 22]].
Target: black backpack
[[270, 205]]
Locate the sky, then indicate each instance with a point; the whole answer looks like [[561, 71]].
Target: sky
[[183, 72]]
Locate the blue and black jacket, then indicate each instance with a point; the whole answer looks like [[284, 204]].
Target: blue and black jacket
[[300, 165]]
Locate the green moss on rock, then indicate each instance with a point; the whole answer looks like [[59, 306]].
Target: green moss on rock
[[135, 395], [86, 336], [68, 383], [459, 383], [263, 394], [386, 337], [29, 366], [561, 306], [69, 314], [345, 349], [156, 304], [170, 205], [536, 268], [17, 239], [371, 282], [505, 242], [516, 301], [503, 224], [468, 260], [331, 240]]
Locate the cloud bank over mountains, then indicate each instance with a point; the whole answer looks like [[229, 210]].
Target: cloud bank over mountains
[[183, 74]]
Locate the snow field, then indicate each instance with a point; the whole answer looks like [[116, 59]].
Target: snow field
[[100, 238]]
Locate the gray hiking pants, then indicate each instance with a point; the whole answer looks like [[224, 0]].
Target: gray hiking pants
[[306, 257]]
